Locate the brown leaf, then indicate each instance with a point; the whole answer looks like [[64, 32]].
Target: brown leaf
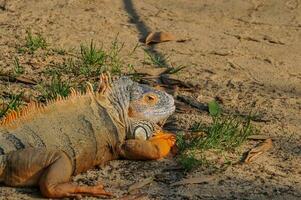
[[25, 80], [193, 103], [258, 137], [157, 37], [258, 150], [140, 184], [17, 79], [195, 180]]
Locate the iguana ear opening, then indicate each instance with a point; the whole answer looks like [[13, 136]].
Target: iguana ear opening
[[141, 130], [140, 133]]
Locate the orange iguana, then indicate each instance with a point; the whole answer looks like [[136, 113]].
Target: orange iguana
[[45, 145]]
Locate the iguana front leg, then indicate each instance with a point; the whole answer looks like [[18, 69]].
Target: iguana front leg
[[49, 169], [155, 148]]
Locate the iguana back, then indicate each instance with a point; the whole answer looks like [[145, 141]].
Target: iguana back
[[79, 125]]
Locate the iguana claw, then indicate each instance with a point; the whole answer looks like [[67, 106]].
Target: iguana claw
[[99, 191]]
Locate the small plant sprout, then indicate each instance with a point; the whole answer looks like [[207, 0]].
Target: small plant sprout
[[91, 56], [14, 104], [57, 87], [18, 69], [156, 59], [114, 61], [34, 42]]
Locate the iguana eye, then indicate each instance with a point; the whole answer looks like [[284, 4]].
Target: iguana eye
[[150, 98]]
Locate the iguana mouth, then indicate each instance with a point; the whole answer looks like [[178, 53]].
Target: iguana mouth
[[164, 114]]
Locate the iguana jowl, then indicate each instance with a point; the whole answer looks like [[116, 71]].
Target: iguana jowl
[[44, 146]]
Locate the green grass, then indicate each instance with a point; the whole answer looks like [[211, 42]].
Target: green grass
[[14, 104], [18, 69], [225, 133], [33, 43], [92, 56], [159, 60], [189, 161], [113, 59], [57, 87], [174, 70], [92, 61], [155, 59]]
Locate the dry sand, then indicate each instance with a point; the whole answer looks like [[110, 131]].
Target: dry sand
[[246, 52]]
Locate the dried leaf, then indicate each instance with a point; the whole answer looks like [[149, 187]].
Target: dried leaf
[[25, 80], [195, 180], [140, 184], [193, 103], [258, 150], [157, 37], [258, 137], [17, 79]]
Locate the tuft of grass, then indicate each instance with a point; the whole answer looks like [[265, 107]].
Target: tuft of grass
[[56, 88], [97, 60], [18, 69], [189, 161], [225, 133], [34, 42], [174, 70], [92, 56], [155, 59], [113, 60], [14, 104]]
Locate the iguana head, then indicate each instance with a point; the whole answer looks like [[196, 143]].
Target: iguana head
[[137, 101], [150, 104]]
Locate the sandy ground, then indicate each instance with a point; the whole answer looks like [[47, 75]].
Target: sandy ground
[[248, 53]]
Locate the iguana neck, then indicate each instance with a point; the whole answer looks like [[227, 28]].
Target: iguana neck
[[119, 98]]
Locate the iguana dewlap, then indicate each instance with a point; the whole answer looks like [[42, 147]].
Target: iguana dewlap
[[44, 146]]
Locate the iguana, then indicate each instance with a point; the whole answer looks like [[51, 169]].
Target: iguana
[[46, 145]]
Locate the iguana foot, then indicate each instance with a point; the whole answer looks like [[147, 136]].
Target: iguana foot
[[97, 190], [155, 148]]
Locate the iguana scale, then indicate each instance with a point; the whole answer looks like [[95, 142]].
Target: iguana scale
[[46, 145]]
